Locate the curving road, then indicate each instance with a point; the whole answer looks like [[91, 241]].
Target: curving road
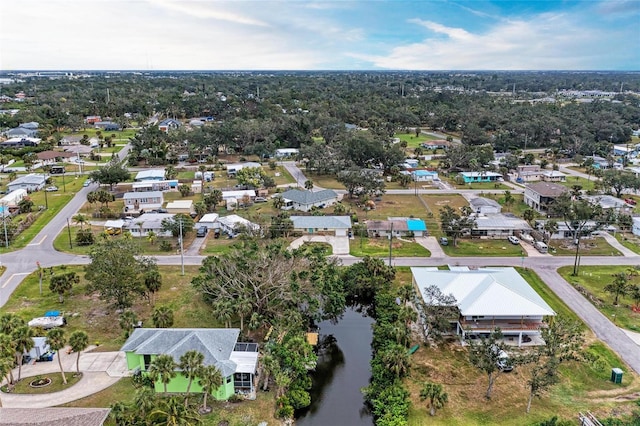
[[23, 262]]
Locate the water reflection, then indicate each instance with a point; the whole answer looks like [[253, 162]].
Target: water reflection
[[344, 353]]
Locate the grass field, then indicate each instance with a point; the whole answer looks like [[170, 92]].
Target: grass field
[[389, 206], [379, 247], [436, 202], [594, 279], [413, 141], [630, 241], [586, 184], [483, 248], [596, 246]]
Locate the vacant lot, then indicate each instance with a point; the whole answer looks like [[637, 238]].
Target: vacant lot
[[484, 248], [596, 246], [414, 141], [379, 247], [593, 280]]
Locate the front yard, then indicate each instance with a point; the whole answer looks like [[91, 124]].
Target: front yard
[[483, 248], [596, 246], [379, 247]]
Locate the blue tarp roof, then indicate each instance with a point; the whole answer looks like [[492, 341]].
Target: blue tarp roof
[[416, 225], [52, 314]]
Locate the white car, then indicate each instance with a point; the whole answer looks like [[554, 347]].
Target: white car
[[513, 240], [51, 188]]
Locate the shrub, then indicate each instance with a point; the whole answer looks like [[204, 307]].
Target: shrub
[[85, 237]]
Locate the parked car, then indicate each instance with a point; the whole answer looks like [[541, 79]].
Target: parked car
[[202, 231], [51, 188], [260, 200], [444, 241], [513, 240], [79, 161], [630, 201], [216, 233], [504, 362], [87, 183], [113, 231]]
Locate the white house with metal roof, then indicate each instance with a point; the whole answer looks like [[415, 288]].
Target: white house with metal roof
[[142, 225], [487, 298], [151, 174], [30, 182], [136, 201], [498, 225], [233, 224], [297, 199], [338, 225]]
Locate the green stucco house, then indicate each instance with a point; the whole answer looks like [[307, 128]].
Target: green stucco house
[[236, 361]]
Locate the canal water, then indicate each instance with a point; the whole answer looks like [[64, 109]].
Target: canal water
[[343, 369]]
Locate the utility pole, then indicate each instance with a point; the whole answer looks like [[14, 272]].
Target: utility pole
[[46, 200], [4, 222], [181, 250], [390, 243], [69, 231]]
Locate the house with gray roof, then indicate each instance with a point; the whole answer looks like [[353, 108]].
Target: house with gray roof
[[21, 132], [338, 225], [609, 202], [541, 195], [483, 205], [142, 225], [30, 182], [236, 361], [169, 124], [486, 298], [66, 416], [498, 225], [302, 200]]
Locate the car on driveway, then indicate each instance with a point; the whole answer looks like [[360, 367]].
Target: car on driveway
[[513, 240], [444, 241], [87, 183], [51, 188], [259, 200], [202, 232]]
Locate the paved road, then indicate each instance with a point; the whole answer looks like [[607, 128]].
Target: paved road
[[21, 263]]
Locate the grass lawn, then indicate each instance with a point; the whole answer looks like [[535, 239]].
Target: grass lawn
[[483, 248], [55, 200], [379, 247], [557, 304], [630, 241], [56, 385], [217, 246], [581, 388], [91, 132], [596, 246], [89, 313], [324, 181], [413, 141], [594, 279], [517, 207], [586, 184], [436, 202], [389, 206]]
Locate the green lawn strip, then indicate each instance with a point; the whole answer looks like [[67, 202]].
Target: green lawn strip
[[594, 279], [517, 207], [630, 241], [483, 248], [586, 184], [90, 314], [596, 246], [23, 387], [379, 247], [557, 304]]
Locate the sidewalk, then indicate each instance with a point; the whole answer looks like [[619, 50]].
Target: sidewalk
[[431, 244], [611, 240]]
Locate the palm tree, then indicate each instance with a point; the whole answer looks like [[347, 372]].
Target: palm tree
[[190, 363], [209, 379], [56, 341], [223, 311], [7, 354], [162, 317], [9, 322], [163, 368], [396, 359], [634, 292], [172, 412], [508, 199], [619, 286], [436, 396], [79, 340], [243, 307], [152, 282], [550, 227], [278, 202], [339, 208], [140, 225], [128, 319], [308, 184], [152, 237], [529, 215], [63, 283], [80, 219], [22, 342], [145, 401]]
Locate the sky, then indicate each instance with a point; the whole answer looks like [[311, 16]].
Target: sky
[[319, 35]]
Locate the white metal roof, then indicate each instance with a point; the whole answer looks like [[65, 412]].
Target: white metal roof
[[246, 362], [209, 218], [150, 174], [180, 204], [485, 292], [114, 223]]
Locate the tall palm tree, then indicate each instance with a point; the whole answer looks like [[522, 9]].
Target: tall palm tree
[[9, 322], [56, 341], [163, 368], [308, 184], [190, 364], [172, 412], [152, 237], [62, 283], [223, 311], [22, 342], [436, 396], [210, 379], [7, 354], [396, 359], [80, 219], [127, 320], [145, 401], [79, 340], [278, 202], [152, 282], [162, 317], [244, 307]]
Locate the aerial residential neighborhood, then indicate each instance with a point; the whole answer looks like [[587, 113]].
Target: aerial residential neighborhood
[[319, 247]]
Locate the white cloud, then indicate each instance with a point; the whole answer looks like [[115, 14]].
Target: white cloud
[[207, 10], [546, 41]]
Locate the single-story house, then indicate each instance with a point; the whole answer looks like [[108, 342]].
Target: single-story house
[[53, 156], [411, 163], [498, 225], [424, 175], [136, 201], [210, 220], [286, 152], [152, 174], [553, 176], [486, 298], [91, 119], [239, 194], [302, 200], [180, 206], [31, 125], [20, 142], [108, 126], [338, 225], [540, 195], [21, 132], [565, 232], [233, 224], [114, 224], [12, 199], [435, 144], [471, 177], [169, 124], [233, 168], [79, 149], [155, 185], [528, 173], [609, 202], [236, 361], [481, 205], [67, 416], [196, 122], [30, 182], [145, 223], [399, 226]]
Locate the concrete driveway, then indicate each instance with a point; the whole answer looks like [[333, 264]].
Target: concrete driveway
[[340, 245], [100, 370]]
